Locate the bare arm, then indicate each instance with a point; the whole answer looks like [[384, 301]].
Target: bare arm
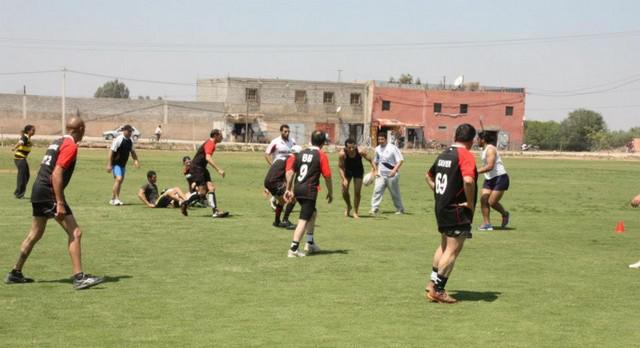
[[144, 199], [13, 149], [327, 181], [58, 190], [491, 161], [109, 159], [395, 169], [213, 164], [134, 155], [267, 156], [470, 191], [430, 182], [288, 195], [341, 168], [366, 156]]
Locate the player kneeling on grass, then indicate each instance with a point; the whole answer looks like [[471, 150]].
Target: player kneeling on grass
[[309, 164], [453, 179], [48, 201], [275, 182], [149, 195]]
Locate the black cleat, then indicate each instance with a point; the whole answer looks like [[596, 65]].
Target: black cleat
[[219, 215], [277, 224], [184, 205], [86, 281], [16, 277], [288, 225]]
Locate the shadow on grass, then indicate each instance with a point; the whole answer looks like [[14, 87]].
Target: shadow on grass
[[107, 279], [394, 213], [486, 296], [329, 252], [504, 228]]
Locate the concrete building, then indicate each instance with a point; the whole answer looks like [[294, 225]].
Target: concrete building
[[427, 115], [258, 107]]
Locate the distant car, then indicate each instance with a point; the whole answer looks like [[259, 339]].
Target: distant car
[[108, 135]]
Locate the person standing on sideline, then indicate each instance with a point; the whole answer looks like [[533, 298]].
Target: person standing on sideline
[[350, 166], [201, 176], [309, 164], [119, 152], [496, 180], [635, 202], [453, 180], [48, 201], [21, 151], [158, 132], [280, 148], [388, 159]]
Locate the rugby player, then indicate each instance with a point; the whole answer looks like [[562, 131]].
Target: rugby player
[[149, 195], [275, 182], [350, 167], [119, 152]]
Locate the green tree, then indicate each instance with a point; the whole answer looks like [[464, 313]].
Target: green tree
[[578, 130], [405, 79], [112, 89], [544, 134]]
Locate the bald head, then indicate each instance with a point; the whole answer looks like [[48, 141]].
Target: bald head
[[75, 128]]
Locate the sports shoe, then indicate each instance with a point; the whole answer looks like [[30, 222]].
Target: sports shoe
[[399, 212], [505, 220], [486, 227], [635, 265], [118, 202], [430, 288], [440, 297], [288, 225], [374, 212], [184, 205], [86, 281], [220, 214], [311, 248], [112, 202], [16, 277], [296, 253]]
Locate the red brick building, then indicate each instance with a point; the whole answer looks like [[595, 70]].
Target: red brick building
[[428, 115]]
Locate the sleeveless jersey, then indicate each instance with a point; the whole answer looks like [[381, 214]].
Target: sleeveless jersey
[[353, 165], [63, 153], [24, 147], [207, 148], [447, 172], [498, 167]]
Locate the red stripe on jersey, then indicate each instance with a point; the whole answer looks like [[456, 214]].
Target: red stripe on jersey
[[68, 153], [291, 162], [467, 163], [324, 165], [209, 147]]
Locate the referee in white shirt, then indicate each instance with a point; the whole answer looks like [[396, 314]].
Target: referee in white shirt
[[388, 159]]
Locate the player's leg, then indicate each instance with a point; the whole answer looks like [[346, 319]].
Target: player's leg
[[494, 201], [394, 189], [378, 191], [213, 201], [485, 208], [307, 210], [280, 203], [310, 246], [445, 267], [74, 234], [346, 197], [38, 226], [287, 212], [357, 190], [434, 264], [118, 178]]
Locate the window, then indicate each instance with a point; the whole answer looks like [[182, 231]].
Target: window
[[437, 107], [508, 111], [442, 127], [355, 99], [464, 108], [386, 105], [328, 98], [251, 95], [301, 97]]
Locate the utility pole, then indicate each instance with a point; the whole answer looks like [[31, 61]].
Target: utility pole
[[246, 124], [64, 98], [24, 102], [339, 75], [444, 81]]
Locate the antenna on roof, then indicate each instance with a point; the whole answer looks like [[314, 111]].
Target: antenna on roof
[[458, 82]]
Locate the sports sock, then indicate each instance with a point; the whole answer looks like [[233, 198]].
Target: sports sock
[[288, 210], [434, 274], [294, 245], [192, 198], [441, 282], [211, 198], [310, 238], [278, 213]]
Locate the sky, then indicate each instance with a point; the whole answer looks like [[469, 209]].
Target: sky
[[566, 54]]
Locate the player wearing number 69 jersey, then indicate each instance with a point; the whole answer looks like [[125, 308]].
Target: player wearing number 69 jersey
[[453, 179]]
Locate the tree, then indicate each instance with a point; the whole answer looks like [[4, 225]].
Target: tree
[[112, 89], [405, 79], [579, 130], [544, 134]]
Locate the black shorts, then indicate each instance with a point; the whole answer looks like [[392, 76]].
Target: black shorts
[[48, 209], [163, 201], [276, 189], [307, 208], [497, 183], [200, 175], [358, 174], [460, 231]]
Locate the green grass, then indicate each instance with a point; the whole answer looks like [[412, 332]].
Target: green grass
[[559, 278]]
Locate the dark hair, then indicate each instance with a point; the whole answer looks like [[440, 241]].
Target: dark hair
[[186, 158], [151, 173], [489, 137], [284, 126], [214, 132], [382, 134], [465, 133], [28, 128], [318, 138], [349, 141]]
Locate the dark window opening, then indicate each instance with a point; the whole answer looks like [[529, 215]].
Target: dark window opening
[[251, 95], [386, 105], [464, 108], [328, 98], [437, 107], [508, 111], [355, 99]]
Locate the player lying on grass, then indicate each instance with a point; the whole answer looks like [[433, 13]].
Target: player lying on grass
[[149, 195]]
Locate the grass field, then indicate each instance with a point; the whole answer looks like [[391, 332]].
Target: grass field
[[558, 278]]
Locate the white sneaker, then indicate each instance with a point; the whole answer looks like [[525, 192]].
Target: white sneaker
[[374, 212], [112, 202], [399, 212], [118, 202], [311, 248], [296, 253], [635, 265]]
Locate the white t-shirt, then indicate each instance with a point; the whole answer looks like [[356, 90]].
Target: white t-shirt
[[386, 158], [498, 167], [279, 148], [158, 130]]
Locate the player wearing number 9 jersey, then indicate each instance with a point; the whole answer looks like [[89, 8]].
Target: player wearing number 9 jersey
[[453, 179]]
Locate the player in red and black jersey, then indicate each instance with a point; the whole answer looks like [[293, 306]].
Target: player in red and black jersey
[[453, 179], [48, 201], [275, 183], [200, 175], [309, 164]]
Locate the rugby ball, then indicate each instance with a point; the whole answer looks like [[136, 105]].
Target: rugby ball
[[368, 179]]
